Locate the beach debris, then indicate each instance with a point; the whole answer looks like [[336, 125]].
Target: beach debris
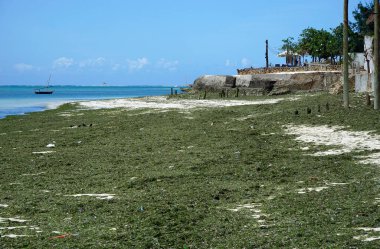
[[4, 205], [52, 145], [62, 236]]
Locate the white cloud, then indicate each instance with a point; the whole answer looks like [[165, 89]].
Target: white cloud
[[245, 62], [116, 67], [138, 64], [22, 67], [168, 65], [63, 62], [98, 62]]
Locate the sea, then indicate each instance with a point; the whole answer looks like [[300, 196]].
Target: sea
[[21, 100]]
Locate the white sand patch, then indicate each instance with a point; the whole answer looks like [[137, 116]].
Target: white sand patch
[[366, 238], [306, 190], [251, 207], [12, 228], [162, 102], [16, 219], [336, 183], [370, 159], [65, 114], [345, 141], [36, 174], [98, 196], [50, 146], [369, 229], [13, 236], [43, 152], [4, 205]]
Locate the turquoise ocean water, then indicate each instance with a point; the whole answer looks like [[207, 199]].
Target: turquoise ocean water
[[19, 100]]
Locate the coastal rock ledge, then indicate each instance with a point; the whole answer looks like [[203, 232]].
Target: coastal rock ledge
[[272, 83]]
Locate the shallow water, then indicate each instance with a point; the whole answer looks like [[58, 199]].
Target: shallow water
[[18, 100]]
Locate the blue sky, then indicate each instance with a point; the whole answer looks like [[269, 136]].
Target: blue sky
[[148, 42]]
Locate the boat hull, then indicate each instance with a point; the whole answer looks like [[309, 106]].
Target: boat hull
[[43, 92]]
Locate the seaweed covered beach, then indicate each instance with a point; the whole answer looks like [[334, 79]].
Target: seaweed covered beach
[[296, 171]]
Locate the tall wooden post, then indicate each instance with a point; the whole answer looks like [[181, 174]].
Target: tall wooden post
[[266, 54], [345, 56], [376, 58]]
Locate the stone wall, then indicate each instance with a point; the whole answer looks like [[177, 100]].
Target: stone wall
[[361, 81], [272, 83], [310, 67]]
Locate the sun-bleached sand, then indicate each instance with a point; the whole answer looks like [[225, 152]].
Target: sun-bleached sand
[[345, 141], [162, 102]]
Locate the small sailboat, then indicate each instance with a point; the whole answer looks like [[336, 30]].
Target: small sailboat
[[44, 90]]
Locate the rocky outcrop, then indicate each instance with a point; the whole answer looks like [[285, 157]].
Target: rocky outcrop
[[214, 82], [273, 83]]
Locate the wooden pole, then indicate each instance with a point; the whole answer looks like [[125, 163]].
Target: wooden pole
[[266, 54], [345, 56], [376, 58]]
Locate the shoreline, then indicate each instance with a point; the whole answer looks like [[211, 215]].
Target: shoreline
[[20, 99]]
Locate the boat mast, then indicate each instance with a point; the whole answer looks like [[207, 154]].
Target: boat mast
[[48, 81]]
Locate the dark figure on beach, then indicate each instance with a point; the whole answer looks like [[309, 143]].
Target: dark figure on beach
[[308, 110], [327, 106], [296, 112]]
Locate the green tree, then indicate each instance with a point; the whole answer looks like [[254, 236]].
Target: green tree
[[289, 45], [315, 43], [361, 15]]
